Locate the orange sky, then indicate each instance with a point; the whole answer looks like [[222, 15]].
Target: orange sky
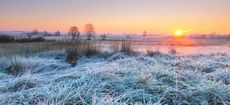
[[117, 16]]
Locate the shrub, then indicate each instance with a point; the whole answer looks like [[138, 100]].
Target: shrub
[[38, 39], [103, 37], [126, 46], [172, 51], [73, 51], [115, 47], [6, 38], [90, 49], [79, 48], [153, 53], [15, 68], [72, 54]]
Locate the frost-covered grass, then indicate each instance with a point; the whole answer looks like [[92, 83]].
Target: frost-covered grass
[[116, 79]]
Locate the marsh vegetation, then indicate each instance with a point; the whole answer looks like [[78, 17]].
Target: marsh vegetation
[[80, 72]]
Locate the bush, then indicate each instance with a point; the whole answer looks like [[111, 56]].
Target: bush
[[153, 53], [103, 37], [126, 46], [172, 51], [115, 47], [72, 55], [73, 51], [90, 49], [6, 38], [79, 48], [38, 39], [15, 68]]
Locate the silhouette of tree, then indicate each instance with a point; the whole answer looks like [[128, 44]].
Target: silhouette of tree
[[89, 29], [35, 32], [29, 35], [144, 34], [45, 33], [128, 37], [57, 33], [74, 32], [103, 37]]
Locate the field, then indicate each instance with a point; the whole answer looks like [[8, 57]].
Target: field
[[75, 72]]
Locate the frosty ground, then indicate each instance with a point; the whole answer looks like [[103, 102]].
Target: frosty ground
[[116, 78]]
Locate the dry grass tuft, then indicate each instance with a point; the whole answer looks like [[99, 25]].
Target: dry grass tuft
[[16, 68], [153, 53], [124, 46]]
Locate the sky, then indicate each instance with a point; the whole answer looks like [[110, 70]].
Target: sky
[[117, 16]]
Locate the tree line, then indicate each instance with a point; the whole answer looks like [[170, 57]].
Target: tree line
[[89, 32]]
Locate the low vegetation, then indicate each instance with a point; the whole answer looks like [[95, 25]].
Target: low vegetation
[[79, 48], [126, 46], [90, 49], [15, 68], [173, 51], [72, 55], [123, 46], [26, 40], [136, 79], [153, 53], [8, 39], [70, 72]]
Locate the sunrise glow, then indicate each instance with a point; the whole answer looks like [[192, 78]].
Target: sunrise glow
[[117, 16], [179, 33]]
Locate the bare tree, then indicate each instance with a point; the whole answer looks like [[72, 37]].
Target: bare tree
[[128, 37], [89, 29], [74, 32], [35, 32], [57, 33], [144, 34], [29, 35], [103, 37], [45, 33]]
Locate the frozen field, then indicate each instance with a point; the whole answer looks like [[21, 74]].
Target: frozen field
[[115, 79]]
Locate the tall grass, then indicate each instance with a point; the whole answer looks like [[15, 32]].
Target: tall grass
[[153, 53], [90, 49], [79, 48], [72, 55], [115, 47], [124, 46], [172, 51], [15, 68], [131, 80]]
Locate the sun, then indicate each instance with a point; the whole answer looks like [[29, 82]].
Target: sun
[[179, 33]]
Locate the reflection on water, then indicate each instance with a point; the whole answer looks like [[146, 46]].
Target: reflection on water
[[187, 50], [182, 46], [188, 46]]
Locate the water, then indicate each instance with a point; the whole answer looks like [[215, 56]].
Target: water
[[186, 50], [184, 46]]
